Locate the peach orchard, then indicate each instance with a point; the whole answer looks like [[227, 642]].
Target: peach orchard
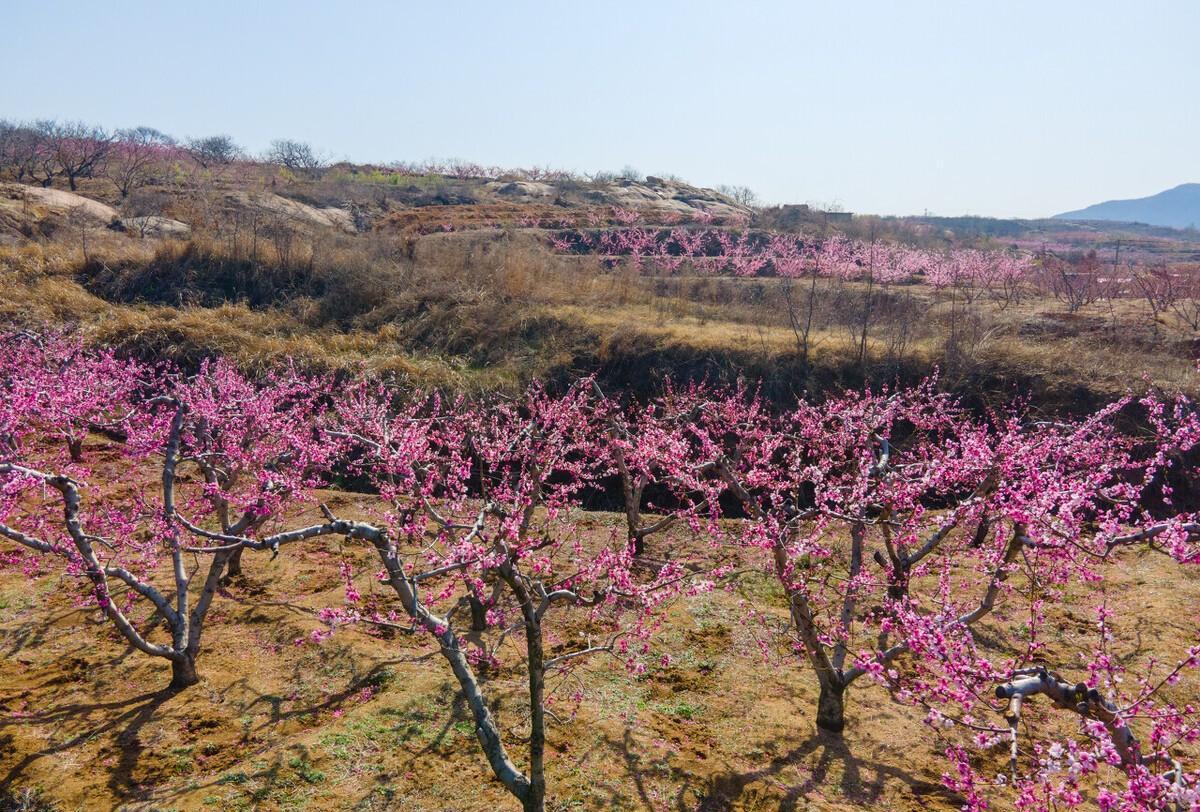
[[893, 521]]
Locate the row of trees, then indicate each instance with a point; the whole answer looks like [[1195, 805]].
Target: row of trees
[[1163, 288], [1003, 275], [46, 151], [813, 272], [894, 522]]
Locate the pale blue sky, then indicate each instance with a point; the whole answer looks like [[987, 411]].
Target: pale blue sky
[[1003, 108]]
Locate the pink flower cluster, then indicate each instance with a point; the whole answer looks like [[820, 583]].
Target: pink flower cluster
[[752, 253]]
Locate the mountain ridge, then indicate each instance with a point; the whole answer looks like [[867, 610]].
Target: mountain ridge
[[1178, 207]]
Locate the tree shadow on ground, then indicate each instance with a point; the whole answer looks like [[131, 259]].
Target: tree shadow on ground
[[831, 764], [377, 677], [35, 633], [279, 778], [837, 768], [127, 716]]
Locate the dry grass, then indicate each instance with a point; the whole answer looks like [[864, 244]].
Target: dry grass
[[494, 308]]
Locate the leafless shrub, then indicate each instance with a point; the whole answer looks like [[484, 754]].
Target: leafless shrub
[[296, 156], [78, 150], [742, 195], [1075, 284], [213, 151], [137, 158]]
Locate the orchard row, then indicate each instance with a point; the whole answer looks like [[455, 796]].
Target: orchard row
[[893, 521]]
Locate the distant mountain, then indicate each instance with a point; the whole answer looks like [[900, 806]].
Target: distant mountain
[[1176, 208]]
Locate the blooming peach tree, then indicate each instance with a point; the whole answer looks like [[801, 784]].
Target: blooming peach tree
[[899, 527], [482, 508], [132, 527]]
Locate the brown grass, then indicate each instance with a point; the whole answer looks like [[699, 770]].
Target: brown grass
[[494, 308]]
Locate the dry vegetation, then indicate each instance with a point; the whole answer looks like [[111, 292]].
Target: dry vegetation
[[494, 307]]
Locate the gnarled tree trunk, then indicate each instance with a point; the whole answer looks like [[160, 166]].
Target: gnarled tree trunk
[[233, 567], [831, 706], [478, 614], [183, 673]]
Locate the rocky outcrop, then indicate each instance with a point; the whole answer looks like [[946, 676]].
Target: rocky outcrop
[[664, 196], [273, 205], [153, 226], [524, 190], [34, 212], [37, 202], [656, 196]]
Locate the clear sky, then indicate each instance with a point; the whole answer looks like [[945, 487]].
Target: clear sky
[[1006, 107]]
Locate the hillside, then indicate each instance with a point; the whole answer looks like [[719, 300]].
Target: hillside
[[457, 282], [1175, 208]]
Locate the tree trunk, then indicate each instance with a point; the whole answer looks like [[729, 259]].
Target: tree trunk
[[75, 449], [898, 588], [486, 729], [535, 801], [478, 614], [183, 673], [981, 532], [639, 544], [233, 568], [831, 707]]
